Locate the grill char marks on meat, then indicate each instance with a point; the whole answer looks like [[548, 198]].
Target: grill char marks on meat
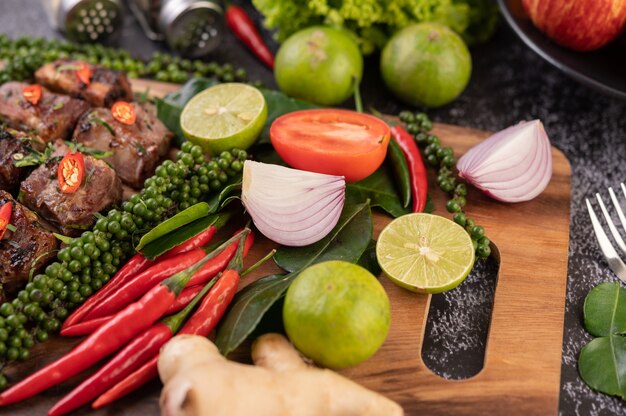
[[32, 242], [54, 117], [105, 87], [12, 147], [136, 148], [73, 212]]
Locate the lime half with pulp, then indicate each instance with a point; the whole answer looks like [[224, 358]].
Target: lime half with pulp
[[224, 116], [425, 253]]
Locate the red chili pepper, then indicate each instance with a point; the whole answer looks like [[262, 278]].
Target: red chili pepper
[[106, 340], [84, 73], [134, 319], [85, 327], [127, 360], [419, 181], [148, 371], [183, 299], [124, 112], [135, 265], [133, 289], [32, 93], [243, 27], [5, 217], [211, 269], [202, 322], [148, 278], [70, 172], [199, 240]]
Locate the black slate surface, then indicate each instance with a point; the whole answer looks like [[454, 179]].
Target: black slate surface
[[509, 83]]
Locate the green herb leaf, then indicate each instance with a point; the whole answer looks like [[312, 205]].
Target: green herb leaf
[[63, 238], [379, 188], [102, 123], [217, 201], [95, 153], [11, 228], [185, 217], [182, 234], [34, 158], [58, 105], [605, 310], [602, 365], [248, 307], [400, 169], [368, 259], [347, 241]]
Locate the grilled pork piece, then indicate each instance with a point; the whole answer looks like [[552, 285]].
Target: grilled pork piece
[[54, 117], [31, 245], [104, 88], [136, 148], [12, 148], [71, 212]]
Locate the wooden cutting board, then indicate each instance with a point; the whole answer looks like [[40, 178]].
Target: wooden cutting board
[[521, 374]]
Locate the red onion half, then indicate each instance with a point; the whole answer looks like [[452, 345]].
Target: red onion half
[[513, 165], [289, 206]]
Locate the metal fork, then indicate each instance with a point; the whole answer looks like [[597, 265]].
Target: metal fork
[[615, 262]]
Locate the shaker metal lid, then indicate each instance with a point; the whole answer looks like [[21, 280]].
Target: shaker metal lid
[[89, 20], [191, 27]]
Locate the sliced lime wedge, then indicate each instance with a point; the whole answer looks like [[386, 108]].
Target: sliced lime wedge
[[425, 253]]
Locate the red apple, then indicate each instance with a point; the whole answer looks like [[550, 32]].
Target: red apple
[[582, 25]]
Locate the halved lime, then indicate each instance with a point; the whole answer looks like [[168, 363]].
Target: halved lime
[[224, 116], [425, 253]]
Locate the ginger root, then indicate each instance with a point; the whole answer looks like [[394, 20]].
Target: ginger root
[[199, 381]]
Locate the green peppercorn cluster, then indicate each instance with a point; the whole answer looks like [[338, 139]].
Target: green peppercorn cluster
[[24, 55], [442, 158], [89, 261]]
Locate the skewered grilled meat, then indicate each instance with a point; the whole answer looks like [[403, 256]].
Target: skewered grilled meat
[[137, 148], [30, 245], [71, 212], [53, 117], [103, 87]]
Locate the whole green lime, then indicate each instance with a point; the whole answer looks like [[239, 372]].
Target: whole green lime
[[336, 313], [319, 64], [426, 64]]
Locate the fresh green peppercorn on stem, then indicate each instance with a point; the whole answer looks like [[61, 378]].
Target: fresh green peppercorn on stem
[[24, 55], [442, 159]]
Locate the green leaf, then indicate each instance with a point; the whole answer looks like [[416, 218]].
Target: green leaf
[[368, 259], [380, 190], [248, 308], [605, 310], [279, 104], [171, 106], [182, 234], [187, 216], [63, 238], [218, 201], [347, 241], [602, 365]]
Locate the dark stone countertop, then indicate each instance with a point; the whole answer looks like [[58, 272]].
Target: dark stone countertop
[[509, 83]]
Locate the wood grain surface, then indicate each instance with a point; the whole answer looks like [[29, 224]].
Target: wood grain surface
[[521, 374]]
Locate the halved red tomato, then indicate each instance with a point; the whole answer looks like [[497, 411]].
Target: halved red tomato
[[331, 141]]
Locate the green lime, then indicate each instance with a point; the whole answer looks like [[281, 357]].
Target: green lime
[[319, 64], [224, 116], [425, 253], [426, 64], [336, 313]]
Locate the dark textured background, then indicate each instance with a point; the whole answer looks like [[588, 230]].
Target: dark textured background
[[509, 83]]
